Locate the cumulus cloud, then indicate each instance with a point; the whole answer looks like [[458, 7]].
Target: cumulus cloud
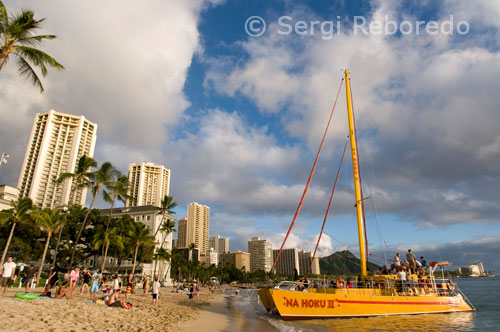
[[426, 107]]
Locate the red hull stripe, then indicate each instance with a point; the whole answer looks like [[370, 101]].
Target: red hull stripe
[[388, 302]]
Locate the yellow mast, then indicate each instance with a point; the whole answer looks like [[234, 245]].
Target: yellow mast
[[357, 187]]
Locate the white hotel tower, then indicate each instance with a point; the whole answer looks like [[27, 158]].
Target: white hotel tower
[[148, 184], [56, 143]]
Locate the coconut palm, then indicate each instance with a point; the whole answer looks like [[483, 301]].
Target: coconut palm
[[98, 178], [81, 176], [49, 220], [166, 208], [17, 38], [192, 246], [161, 255], [139, 235], [166, 228], [118, 189], [20, 211], [106, 238]]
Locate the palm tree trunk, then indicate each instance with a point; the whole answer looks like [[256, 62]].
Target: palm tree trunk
[[109, 217], [81, 229], [135, 258], [57, 245], [8, 242], [162, 220], [104, 258], [39, 274]]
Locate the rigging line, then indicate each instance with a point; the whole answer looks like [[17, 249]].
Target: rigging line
[[310, 178], [328, 208], [360, 182]]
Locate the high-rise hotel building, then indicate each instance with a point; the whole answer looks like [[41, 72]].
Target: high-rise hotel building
[[148, 184], [261, 254], [194, 229], [219, 244], [56, 143]]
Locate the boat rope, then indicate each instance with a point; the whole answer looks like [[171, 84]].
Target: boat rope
[[310, 178], [328, 208], [360, 182]]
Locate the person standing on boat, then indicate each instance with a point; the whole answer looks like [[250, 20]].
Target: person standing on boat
[[411, 258], [397, 262], [402, 278]]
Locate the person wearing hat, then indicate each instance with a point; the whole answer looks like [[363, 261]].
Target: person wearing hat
[[156, 290]]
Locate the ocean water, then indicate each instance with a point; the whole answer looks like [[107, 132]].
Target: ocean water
[[484, 293]]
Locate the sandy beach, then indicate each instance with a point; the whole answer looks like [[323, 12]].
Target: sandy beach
[[174, 312]]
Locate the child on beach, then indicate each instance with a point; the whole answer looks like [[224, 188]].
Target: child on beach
[[28, 276], [156, 290], [117, 284], [96, 281], [74, 276], [86, 278]]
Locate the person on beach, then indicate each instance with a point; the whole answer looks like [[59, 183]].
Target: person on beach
[[53, 277], [63, 291], [8, 273], [117, 284], [130, 286], [146, 285], [96, 281], [156, 290], [28, 276], [73, 276], [114, 301], [86, 278]]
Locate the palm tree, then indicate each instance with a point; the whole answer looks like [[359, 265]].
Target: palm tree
[[80, 180], [192, 246], [118, 187], [50, 221], [100, 177], [20, 211], [106, 238], [166, 228], [81, 176], [166, 207], [161, 254], [16, 38], [139, 235]]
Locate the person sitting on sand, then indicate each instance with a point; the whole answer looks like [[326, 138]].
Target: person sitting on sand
[[63, 292], [114, 301]]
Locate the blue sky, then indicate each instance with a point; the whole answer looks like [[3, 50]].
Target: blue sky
[[238, 119]]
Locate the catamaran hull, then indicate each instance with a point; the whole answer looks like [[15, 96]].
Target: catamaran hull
[[355, 303]]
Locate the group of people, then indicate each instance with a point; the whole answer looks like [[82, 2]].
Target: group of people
[[409, 266], [8, 275]]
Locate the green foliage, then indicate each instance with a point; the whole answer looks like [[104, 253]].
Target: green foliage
[[17, 38], [343, 263]]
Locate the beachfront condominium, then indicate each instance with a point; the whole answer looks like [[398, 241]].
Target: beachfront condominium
[[194, 228], [305, 263], [148, 184], [182, 238], [288, 262], [56, 143], [261, 254], [240, 260], [219, 244]]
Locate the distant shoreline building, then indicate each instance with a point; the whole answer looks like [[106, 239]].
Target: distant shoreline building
[[198, 224], [219, 244], [305, 262], [148, 184], [240, 260], [261, 254], [182, 237], [288, 262], [56, 143]]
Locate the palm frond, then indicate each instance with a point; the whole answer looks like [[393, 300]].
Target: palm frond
[[28, 72], [38, 58], [34, 40]]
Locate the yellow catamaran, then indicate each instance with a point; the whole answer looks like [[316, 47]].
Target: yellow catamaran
[[375, 295]]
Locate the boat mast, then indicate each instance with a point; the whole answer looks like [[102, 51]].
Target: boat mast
[[355, 171]]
